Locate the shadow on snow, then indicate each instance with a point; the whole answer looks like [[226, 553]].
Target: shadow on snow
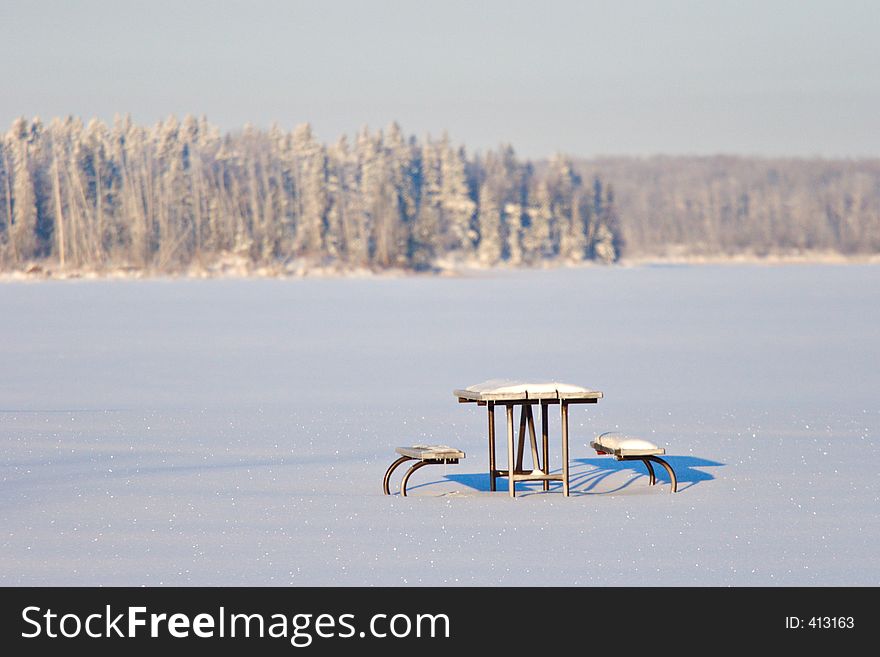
[[587, 474]]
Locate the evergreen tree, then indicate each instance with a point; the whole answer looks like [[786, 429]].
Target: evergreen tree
[[22, 231], [489, 248], [6, 174], [537, 244], [608, 241], [565, 189], [424, 242], [456, 207], [513, 222]]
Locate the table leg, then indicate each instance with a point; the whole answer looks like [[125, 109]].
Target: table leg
[[564, 406], [521, 440], [491, 407], [510, 452], [545, 443], [536, 460]]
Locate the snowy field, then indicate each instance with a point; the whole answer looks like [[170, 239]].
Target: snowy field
[[235, 432]]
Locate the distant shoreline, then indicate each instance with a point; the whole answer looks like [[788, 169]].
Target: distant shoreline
[[48, 272], [750, 259]]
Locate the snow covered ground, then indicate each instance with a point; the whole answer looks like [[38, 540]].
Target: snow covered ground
[[232, 432]]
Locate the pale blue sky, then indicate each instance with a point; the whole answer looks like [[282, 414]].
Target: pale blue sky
[[771, 77]]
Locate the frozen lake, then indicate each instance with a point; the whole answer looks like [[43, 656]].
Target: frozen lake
[[232, 432]]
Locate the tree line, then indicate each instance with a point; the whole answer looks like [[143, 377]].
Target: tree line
[[180, 195]]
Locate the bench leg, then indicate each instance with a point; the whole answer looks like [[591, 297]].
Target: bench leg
[[668, 468], [652, 478], [392, 468], [413, 468]]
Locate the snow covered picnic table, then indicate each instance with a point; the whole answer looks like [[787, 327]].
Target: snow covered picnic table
[[510, 393]]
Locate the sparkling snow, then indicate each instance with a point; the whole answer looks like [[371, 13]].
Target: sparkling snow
[[236, 431]]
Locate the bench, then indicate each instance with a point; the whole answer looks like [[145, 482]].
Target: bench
[[424, 455], [630, 448]]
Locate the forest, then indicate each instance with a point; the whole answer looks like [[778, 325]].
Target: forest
[[727, 206], [181, 196]]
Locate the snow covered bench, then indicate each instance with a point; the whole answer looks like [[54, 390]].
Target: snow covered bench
[[425, 455], [630, 448]]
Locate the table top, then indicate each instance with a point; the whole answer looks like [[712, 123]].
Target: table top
[[512, 390]]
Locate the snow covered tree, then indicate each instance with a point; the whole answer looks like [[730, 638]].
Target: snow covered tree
[[425, 238], [22, 231], [607, 240], [566, 194], [5, 198], [311, 191], [456, 205], [489, 213], [347, 204], [381, 203], [403, 170], [513, 228], [536, 241], [335, 244]]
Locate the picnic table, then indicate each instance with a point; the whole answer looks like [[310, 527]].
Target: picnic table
[[512, 393]]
